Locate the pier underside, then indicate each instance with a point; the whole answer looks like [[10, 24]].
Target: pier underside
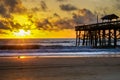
[[100, 35]]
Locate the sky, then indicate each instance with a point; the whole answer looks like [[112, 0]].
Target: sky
[[51, 18]]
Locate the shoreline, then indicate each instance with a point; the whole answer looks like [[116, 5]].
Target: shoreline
[[70, 60], [60, 55]]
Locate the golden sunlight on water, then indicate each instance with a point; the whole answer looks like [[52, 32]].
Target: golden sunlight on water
[[21, 57]]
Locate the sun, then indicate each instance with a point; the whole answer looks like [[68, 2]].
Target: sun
[[22, 33]]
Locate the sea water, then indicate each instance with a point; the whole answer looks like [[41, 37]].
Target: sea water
[[53, 47]]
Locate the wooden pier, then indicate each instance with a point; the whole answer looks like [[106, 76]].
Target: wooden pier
[[99, 35]]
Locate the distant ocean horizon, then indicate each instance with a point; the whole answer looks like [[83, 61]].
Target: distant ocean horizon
[[53, 47], [39, 41]]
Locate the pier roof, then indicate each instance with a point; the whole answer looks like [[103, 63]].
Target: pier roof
[[110, 17]]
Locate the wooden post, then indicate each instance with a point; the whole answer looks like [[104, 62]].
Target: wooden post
[[96, 39], [115, 38], [93, 38], [76, 38], [79, 39], [87, 34], [99, 33], [103, 39], [83, 39], [109, 40], [89, 38]]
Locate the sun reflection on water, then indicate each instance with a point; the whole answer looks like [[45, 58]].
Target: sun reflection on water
[[22, 57]]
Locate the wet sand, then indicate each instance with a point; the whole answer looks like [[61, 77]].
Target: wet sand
[[60, 68]]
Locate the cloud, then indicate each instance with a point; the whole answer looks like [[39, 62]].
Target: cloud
[[7, 7], [113, 7], [54, 22], [35, 9], [3, 32], [62, 0], [44, 24], [64, 24], [9, 25], [11, 4], [58, 24], [3, 25], [81, 16], [3, 10], [67, 7], [84, 16], [56, 15], [43, 6], [117, 4]]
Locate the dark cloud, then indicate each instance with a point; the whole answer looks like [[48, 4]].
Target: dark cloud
[[84, 16], [9, 25], [3, 10], [43, 6], [3, 25], [67, 7], [15, 25], [62, 0], [35, 9], [12, 3], [8, 7], [56, 15], [59, 24], [3, 32], [64, 24], [45, 24]]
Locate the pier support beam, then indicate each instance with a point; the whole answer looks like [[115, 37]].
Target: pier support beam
[[79, 38], [76, 38], [99, 33], [96, 39], [115, 38], [83, 43], [103, 38], [109, 39]]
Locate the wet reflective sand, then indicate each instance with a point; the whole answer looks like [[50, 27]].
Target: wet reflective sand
[[57, 68]]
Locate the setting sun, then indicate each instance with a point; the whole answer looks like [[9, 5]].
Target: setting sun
[[22, 33]]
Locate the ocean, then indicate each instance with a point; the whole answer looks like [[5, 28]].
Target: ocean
[[57, 59], [53, 47]]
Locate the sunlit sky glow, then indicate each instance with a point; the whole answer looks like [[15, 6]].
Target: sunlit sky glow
[[50, 18]]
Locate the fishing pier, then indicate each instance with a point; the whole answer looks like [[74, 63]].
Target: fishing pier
[[100, 35]]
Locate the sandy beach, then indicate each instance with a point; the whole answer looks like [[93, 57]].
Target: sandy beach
[[60, 68]]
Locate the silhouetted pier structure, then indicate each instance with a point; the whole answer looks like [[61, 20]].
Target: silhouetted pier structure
[[99, 35]]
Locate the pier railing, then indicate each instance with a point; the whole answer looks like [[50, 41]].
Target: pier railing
[[103, 25]]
